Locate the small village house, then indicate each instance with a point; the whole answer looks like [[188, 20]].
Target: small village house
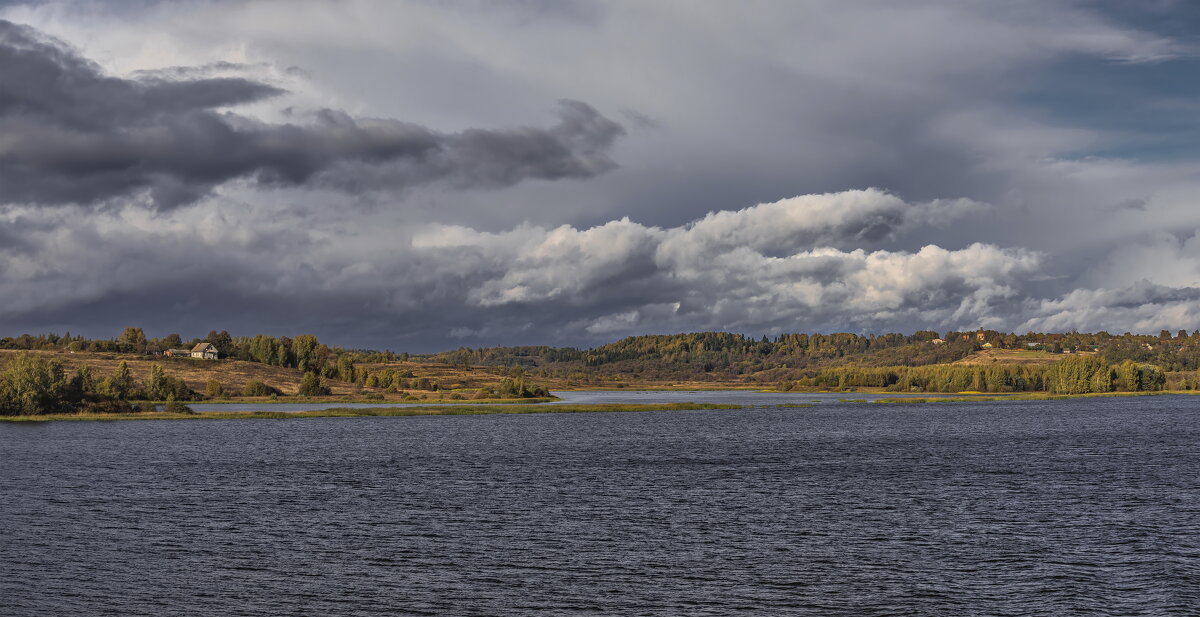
[[206, 351]]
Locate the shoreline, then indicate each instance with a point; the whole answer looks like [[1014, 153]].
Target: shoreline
[[296, 400], [1023, 396], [521, 406], [343, 412]]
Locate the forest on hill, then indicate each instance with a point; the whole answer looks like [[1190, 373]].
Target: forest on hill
[[919, 362], [53, 373], [718, 356]]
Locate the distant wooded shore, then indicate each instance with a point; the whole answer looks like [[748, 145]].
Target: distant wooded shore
[[130, 373]]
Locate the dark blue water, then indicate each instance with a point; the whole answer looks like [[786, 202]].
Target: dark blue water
[[1038, 508]]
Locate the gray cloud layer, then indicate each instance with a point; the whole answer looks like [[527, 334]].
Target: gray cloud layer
[[769, 268], [729, 104], [71, 135]]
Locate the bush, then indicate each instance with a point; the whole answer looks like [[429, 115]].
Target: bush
[[109, 406], [160, 386], [311, 385], [174, 406], [255, 387], [517, 387]]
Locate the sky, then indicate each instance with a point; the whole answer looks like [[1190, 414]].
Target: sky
[[419, 176]]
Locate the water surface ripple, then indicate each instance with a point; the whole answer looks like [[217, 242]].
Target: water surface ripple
[[1035, 508]]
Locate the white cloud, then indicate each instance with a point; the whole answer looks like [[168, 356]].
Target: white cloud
[[1161, 259], [784, 266], [1143, 307]]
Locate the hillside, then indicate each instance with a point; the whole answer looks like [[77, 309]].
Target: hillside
[[700, 360], [234, 374], [986, 357]]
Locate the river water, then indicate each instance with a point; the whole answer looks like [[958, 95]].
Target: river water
[[590, 397], [1081, 507]]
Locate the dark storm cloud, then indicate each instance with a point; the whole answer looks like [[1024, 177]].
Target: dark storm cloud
[[205, 70], [431, 286], [71, 135], [1131, 204]]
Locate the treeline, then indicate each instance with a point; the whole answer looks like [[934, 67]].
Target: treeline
[[1078, 374], [33, 385], [533, 355], [304, 352], [699, 356], [713, 354], [722, 355]]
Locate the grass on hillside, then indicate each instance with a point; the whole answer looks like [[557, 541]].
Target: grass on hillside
[[1012, 356], [234, 374]]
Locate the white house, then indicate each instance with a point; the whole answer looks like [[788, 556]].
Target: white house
[[207, 351]]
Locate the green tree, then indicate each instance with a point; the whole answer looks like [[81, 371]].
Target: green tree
[[156, 384], [305, 352], [221, 340], [175, 406], [310, 385], [120, 384], [32, 385], [84, 382], [1127, 377], [1078, 375], [345, 368], [255, 387], [132, 340]]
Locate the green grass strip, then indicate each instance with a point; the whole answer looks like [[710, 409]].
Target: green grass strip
[[1037, 396]]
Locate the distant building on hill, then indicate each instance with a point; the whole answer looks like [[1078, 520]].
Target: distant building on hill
[[178, 353], [938, 341], [207, 351]]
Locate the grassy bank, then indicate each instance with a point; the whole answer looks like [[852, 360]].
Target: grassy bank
[[449, 410], [1033, 396]]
